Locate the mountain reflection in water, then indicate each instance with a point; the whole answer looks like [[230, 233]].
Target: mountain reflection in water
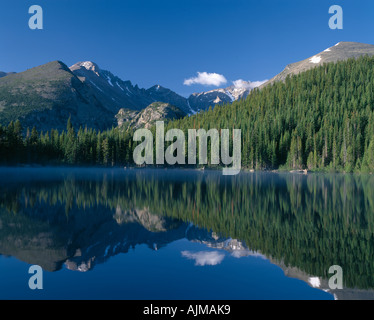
[[80, 218]]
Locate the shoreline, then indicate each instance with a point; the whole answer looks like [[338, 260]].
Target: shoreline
[[304, 172]]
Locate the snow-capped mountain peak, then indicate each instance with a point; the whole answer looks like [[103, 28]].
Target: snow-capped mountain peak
[[88, 65], [238, 90]]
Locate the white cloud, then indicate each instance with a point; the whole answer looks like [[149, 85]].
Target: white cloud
[[207, 79], [245, 253], [204, 258], [241, 84]]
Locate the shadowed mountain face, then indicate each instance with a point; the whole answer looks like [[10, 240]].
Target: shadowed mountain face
[[161, 94], [341, 51], [3, 74], [116, 94], [110, 90], [46, 96]]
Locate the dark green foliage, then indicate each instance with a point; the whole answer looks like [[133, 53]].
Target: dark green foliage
[[85, 147], [321, 119]]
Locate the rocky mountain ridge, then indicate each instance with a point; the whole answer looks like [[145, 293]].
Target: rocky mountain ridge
[[156, 111], [47, 95], [339, 52]]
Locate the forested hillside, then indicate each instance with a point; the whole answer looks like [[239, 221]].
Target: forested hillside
[[320, 119]]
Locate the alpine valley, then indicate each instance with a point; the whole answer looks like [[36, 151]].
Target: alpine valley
[[46, 96], [317, 114]]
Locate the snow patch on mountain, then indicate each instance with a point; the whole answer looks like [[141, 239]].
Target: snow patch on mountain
[[189, 106], [119, 86], [230, 95], [96, 86], [88, 65], [315, 59], [241, 84], [109, 81]]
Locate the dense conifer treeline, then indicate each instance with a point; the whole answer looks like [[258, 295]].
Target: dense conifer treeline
[[320, 119], [84, 147]]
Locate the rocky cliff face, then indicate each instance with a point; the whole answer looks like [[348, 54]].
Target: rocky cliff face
[[156, 111], [149, 221], [111, 91]]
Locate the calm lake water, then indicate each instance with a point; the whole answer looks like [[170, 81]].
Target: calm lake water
[[183, 234]]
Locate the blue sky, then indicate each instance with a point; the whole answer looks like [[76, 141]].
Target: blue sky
[[165, 42]]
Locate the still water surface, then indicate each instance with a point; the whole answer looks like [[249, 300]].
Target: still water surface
[[183, 234]]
